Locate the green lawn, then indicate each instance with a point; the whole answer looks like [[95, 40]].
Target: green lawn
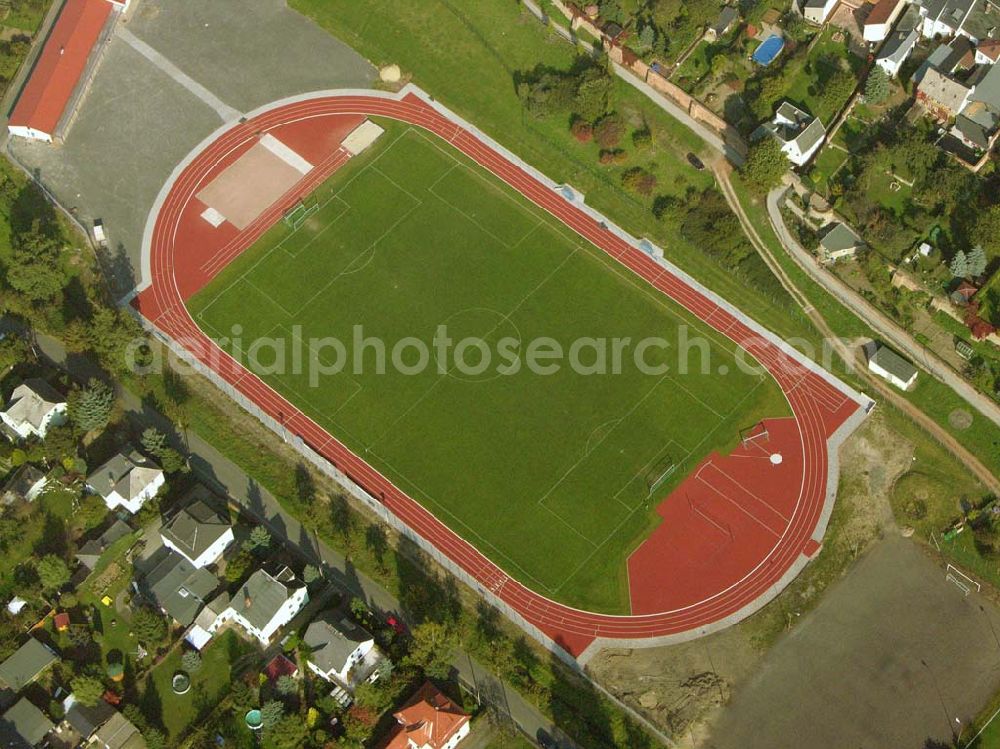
[[830, 159], [209, 685], [805, 75], [547, 474]]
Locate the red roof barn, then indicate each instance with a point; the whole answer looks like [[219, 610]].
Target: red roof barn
[[45, 98]]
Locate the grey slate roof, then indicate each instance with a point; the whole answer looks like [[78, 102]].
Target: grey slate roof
[[31, 401], [893, 363], [119, 733], [899, 45], [726, 18], [86, 720], [840, 237], [23, 725], [943, 90], [806, 132], [25, 664], [259, 599], [179, 588], [127, 473], [195, 528], [331, 643], [89, 553]]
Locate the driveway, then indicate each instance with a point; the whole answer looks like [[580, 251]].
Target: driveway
[[893, 656], [173, 72]]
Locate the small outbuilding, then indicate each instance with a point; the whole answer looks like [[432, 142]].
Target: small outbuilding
[[892, 367]]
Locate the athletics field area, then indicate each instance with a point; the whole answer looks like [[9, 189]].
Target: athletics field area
[[390, 286]]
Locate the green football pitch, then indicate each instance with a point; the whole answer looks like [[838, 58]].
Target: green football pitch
[[554, 476]]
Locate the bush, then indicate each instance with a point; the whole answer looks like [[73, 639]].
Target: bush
[[616, 156], [191, 661], [609, 130], [582, 131], [642, 138], [639, 181]]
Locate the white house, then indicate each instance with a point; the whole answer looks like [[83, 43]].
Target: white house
[[896, 50], [262, 605], [890, 366], [817, 11], [988, 52], [800, 134], [198, 533], [879, 22], [34, 406], [973, 19], [341, 651], [839, 241], [128, 480]]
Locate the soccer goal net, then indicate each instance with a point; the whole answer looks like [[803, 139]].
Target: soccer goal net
[[659, 472], [296, 216]]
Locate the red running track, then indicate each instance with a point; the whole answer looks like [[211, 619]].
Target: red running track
[[785, 507]]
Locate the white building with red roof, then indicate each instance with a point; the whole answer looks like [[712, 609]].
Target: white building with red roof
[[46, 103], [988, 51], [429, 720]]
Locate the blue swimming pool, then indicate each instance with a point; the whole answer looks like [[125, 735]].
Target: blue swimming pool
[[768, 50]]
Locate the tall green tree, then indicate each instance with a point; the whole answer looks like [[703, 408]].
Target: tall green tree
[[53, 573], [87, 689], [431, 649], [90, 408], [877, 86], [37, 269], [765, 164]]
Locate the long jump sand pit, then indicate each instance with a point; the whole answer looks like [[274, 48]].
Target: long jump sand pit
[[245, 189]]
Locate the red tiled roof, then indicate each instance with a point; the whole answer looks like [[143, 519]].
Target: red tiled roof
[[61, 621], [60, 65], [882, 12], [280, 666], [990, 48], [429, 718]]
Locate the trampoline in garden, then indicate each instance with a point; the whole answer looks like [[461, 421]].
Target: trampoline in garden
[[768, 50]]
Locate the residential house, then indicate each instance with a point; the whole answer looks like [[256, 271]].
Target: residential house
[[25, 485], [896, 50], [817, 11], [941, 95], [800, 134], [839, 241], [963, 293], [25, 665], [34, 406], [117, 733], [262, 605], [972, 19], [946, 58], [428, 720], [890, 366], [198, 533], [341, 651], [24, 726], [978, 122], [880, 19], [177, 587], [91, 551], [727, 19], [82, 720], [128, 480], [988, 52]]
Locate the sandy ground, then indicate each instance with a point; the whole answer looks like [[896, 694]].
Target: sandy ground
[[684, 688]]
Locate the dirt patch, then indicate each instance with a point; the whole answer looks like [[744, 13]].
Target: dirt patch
[[960, 419], [675, 686], [682, 688]]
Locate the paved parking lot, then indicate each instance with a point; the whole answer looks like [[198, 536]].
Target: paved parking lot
[[894, 656], [174, 72]]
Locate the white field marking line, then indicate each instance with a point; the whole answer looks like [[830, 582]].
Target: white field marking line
[[266, 255], [328, 225], [490, 189], [662, 299], [370, 248], [447, 371], [291, 334], [587, 449], [738, 506], [485, 544], [621, 418], [684, 456], [230, 287], [267, 296], [738, 483], [394, 183]]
